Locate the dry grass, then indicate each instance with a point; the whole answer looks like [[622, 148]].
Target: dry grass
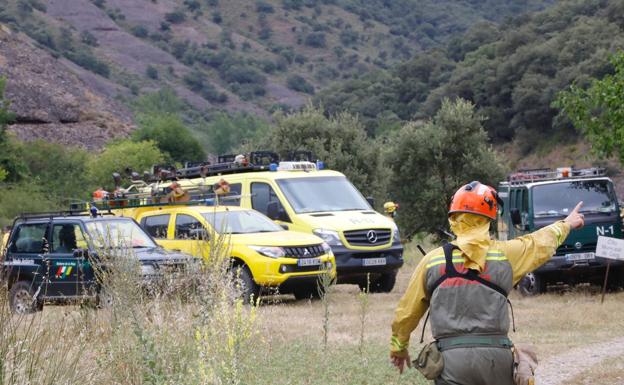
[[608, 372], [211, 339]]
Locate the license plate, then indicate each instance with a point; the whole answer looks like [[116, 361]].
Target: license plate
[[374, 261], [309, 262], [580, 257]]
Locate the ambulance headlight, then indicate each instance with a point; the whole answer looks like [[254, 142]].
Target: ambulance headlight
[[329, 236], [326, 249]]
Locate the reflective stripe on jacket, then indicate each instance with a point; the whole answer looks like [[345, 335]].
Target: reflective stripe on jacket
[[524, 254]]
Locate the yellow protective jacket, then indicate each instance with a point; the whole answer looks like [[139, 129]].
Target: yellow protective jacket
[[524, 254]]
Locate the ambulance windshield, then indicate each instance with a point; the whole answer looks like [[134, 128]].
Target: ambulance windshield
[[316, 194]]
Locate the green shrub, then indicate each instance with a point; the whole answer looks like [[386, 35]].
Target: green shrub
[[42, 36], [240, 73], [99, 3], [198, 82], [87, 60], [175, 17], [216, 17], [264, 7], [88, 38], [170, 135], [298, 83], [315, 40], [151, 72], [118, 156], [139, 31]]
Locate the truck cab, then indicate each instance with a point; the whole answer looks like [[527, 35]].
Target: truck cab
[[536, 198]]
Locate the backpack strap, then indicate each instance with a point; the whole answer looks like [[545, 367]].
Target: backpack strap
[[471, 275]]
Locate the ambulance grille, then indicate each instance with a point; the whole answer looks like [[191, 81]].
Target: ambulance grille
[[368, 237]]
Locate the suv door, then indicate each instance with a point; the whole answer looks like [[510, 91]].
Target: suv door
[[67, 272], [27, 244]]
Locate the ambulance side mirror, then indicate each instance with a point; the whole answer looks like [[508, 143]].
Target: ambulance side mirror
[[371, 201]]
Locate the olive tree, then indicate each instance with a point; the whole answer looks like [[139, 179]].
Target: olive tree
[[339, 140], [430, 160]]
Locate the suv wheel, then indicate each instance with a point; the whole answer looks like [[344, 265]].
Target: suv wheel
[[104, 298], [21, 299], [249, 290], [531, 284], [383, 284]]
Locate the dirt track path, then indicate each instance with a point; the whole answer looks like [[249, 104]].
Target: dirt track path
[[559, 369]]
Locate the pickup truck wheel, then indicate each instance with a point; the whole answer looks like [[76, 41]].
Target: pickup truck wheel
[[248, 288], [309, 293], [383, 284], [531, 284], [21, 298]]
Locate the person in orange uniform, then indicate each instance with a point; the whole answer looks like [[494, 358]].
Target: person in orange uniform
[[465, 286]]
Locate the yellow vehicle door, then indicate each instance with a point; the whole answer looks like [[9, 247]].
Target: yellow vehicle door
[[189, 235], [157, 225], [265, 200]]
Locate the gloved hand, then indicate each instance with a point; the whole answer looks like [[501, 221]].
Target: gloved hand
[[399, 359], [576, 220]]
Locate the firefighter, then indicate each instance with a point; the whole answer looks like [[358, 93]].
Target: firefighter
[[464, 285], [390, 209]]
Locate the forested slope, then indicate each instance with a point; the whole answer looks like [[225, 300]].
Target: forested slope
[[511, 71], [239, 55]]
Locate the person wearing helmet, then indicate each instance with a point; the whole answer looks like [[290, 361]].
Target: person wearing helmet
[[465, 286], [390, 209]]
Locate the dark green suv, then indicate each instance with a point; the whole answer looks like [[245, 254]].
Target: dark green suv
[[56, 257]]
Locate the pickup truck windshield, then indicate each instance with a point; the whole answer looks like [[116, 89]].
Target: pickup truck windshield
[[332, 193], [118, 234], [559, 199], [240, 222]]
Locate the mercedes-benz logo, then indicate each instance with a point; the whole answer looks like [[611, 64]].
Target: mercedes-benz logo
[[371, 236], [578, 245]]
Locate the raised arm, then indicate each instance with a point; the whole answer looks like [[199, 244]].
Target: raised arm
[[528, 252]]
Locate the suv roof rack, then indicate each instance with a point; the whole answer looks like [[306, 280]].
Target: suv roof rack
[[524, 176], [65, 213]]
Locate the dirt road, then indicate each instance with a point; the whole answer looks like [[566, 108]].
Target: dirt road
[[561, 368]]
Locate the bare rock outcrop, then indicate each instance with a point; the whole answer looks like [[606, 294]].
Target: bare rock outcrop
[[51, 102]]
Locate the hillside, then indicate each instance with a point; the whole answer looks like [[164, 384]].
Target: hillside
[[236, 55], [50, 102], [511, 71]]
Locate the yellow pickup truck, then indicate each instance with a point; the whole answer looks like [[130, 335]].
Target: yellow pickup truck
[[268, 256]]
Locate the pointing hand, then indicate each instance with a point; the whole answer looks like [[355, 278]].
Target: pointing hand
[[576, 220]]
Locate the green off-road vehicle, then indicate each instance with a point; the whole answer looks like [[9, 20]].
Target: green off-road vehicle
[[536, 198], [56, 258]]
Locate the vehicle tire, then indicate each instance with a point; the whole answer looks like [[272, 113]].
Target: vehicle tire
[[616, 280], [104, 299], [531, 284], [383, 284], [21, 298], [249, 290], [309, 293]]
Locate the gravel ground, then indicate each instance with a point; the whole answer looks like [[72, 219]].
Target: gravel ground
[[560, 369]]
